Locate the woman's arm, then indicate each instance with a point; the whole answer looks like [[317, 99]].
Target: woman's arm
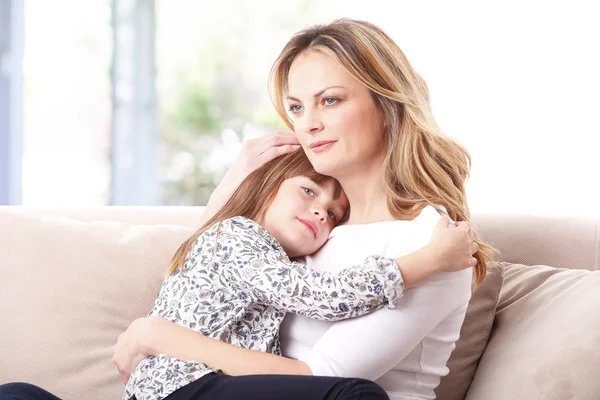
[[165, 337], [150, 336], [386, 337]]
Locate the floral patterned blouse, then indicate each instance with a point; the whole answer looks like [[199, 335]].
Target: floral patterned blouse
[[236, 286]]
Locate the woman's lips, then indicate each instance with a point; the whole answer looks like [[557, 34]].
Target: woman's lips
[[310, 226], [321, 146]]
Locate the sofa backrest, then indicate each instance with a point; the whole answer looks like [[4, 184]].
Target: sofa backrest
[[562, 242]]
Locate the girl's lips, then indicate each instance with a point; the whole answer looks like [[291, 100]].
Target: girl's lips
[[311, 227]]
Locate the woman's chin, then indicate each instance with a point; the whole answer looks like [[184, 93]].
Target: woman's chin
[[325, 168]]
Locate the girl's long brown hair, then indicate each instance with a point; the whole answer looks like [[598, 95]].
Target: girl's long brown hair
[[423, 166], [254, 195]]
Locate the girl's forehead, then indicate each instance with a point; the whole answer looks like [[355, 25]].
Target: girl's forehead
[[336, 193], [327, 185]]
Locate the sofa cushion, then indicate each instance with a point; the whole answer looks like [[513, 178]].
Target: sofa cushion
[[546, 338], [474, 336], [68, 290]]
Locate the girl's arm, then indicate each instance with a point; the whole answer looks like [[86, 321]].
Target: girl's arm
[[254, 265], [150, 336], [256, 268], [160, 336]]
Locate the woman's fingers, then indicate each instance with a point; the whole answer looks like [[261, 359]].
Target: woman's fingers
[[276, 144], [262, 143], [256, 152], [474, 248], [279, 139], [472, 234], [274, 152]]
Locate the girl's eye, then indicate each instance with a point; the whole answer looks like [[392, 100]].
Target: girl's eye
[[308, 191], [295, 108], [330, 101], [332, 215]]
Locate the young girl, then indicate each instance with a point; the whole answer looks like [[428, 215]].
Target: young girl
[[233, 280]]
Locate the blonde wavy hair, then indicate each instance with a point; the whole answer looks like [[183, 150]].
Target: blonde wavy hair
[[423, 166]]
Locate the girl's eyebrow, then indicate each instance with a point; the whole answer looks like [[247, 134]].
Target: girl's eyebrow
[[319, 93]]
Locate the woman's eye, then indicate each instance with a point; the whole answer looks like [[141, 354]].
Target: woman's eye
[[295, 108], [332, 216], [308, 191], [330, 101]]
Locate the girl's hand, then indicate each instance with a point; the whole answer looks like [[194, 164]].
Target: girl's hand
[[130, 349], [453, 247]]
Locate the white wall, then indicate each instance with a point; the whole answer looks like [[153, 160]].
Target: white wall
[[518, 83]]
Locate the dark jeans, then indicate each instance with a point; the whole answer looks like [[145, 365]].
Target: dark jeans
[[250, 387], [24, 391], [276, 387]]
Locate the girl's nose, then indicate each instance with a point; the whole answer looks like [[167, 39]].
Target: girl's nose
[[320, 214]]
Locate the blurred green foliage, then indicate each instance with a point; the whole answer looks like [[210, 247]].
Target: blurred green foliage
[[218, 82]]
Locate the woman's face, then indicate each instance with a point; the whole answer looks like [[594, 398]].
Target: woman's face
[[335, 117], [302, 214]]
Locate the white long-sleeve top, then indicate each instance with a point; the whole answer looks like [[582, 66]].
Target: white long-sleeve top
[[405, 349]]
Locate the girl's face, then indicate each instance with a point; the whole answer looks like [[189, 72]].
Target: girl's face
[[302, 214], [335, 118]]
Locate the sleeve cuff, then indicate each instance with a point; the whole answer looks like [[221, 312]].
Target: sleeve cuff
[[394, 284]]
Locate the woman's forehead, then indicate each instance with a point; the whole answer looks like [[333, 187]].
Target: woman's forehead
[[313, 71]]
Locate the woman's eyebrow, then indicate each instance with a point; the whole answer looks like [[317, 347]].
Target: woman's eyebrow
[[320, 92]]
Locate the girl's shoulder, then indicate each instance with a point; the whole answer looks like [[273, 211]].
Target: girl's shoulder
[[245, 230], [235, 226], [239, 224]]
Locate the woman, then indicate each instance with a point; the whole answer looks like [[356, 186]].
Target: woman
[[363, 116], [232, 280]]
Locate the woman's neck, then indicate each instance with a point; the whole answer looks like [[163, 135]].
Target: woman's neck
[[367, 195]]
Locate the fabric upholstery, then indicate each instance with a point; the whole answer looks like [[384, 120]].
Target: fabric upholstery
[[473, 336], [546, 338], [68, 290], [561, 242]]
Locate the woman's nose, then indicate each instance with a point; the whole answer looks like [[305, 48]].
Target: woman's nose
[[312, 122]]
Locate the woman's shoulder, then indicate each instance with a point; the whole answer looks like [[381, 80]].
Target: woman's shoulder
[[426, 221]]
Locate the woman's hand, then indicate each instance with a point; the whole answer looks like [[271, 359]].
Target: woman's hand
[[453, 246], [263, 149], [131, 346], [255, 153]]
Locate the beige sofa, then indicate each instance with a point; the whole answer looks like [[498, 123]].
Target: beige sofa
[[73, 279]]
